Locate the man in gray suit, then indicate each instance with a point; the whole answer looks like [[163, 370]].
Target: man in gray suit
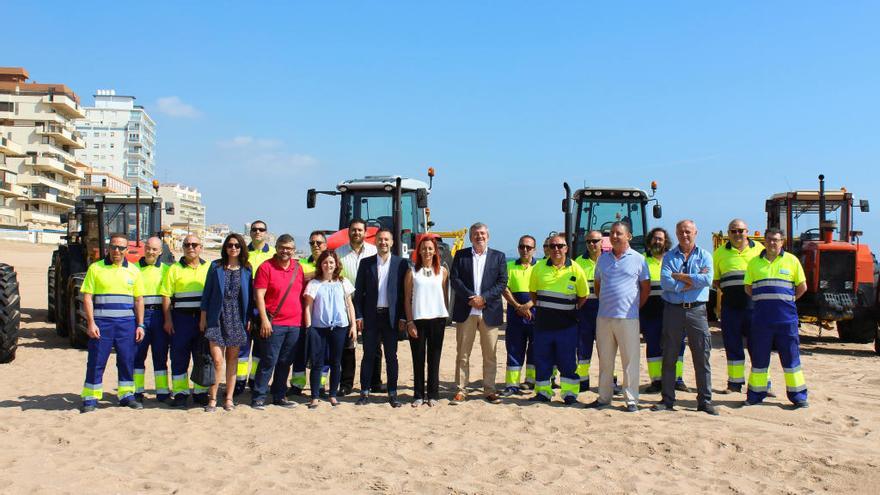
[[378, 308]]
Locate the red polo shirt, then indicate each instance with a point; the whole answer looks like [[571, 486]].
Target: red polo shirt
[[274, 279]]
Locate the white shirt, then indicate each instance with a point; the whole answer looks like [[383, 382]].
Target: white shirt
[[351, 259], [479, 268], [382, 272]]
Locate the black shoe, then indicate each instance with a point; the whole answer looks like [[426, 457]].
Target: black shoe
[[363, 401], [653, 388], [596, 404], [394, 402], [632, 408], [378, 389], [139, 398], [343, 391], [527, 386], [748, 404], [510, 391], [733, 388], [570, 400], [283, 402], [663, 407], [681, 387], [539, 398], [801, 405], [258, 405], [179, 401], [132, 404], [87, 408], [618, 390], [239, 388], [294, 392], [708, 409]]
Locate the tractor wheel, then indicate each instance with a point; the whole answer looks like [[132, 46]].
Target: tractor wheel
[[50, 284], [10, 313], [76, 316], [860, 330], [62, 275]]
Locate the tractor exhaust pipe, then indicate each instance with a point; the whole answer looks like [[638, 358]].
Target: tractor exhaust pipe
[[826, 229], [395, 216], [566, 209]]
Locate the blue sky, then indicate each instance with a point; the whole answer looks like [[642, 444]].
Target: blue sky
[[722, 103]]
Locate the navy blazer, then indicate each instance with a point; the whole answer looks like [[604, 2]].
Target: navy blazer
[[494, 281], [366, 290], [215, 284]]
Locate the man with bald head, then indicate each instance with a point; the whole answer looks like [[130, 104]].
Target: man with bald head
[[155, 339], [730, 263], [181, 304], [685, 277]]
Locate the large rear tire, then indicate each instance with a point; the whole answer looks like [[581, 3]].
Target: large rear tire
[[76, 315], [860, 330], [10, 313], [50, 294]]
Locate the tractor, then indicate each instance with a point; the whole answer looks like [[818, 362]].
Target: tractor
[[89, 227], [840, 270], [10, 313], [597, 208], [393, 202]]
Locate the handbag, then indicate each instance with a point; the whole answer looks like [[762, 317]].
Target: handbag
[[271, 314], [203, 364]]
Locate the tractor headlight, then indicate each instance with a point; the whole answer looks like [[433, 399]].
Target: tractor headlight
[[848, 285], [823, 284]]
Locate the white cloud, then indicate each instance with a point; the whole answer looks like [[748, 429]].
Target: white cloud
[[262, 156], [175, 107], [249, 142]]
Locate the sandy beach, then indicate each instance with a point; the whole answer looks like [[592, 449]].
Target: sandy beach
[[47, 446]]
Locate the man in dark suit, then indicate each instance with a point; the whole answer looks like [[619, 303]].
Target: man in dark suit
[[378, 308], [478, 276]]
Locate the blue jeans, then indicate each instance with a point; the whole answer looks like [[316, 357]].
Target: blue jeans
[[276, 356], [320, 339]]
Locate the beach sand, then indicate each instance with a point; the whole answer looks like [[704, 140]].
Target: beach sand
[[47, 446]]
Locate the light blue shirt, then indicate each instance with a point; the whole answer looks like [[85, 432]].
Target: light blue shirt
[[328, 306], [698, 266], [620, 283]]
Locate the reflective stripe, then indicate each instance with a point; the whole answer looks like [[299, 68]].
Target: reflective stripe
[[544, 388], [758, 379], [180, 384], [569, 387], [583, 370], [656, 292], [92, 391], [139, 381], [771, 282], [773, 297], [161, 378], [513, 376], [736, 371], [113, 313], [241, 370], [794, 379], [255, 363], [197, 293], [530, 373], [655, 368], [298, 379], [732, 283], [198, 389], [557, 295], [125, 389], [113, 299], [553, 305], [152, 299], [187, 304]]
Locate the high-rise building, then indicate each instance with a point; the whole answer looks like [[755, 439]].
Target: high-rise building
[[101, 182], [39, 173], [189, 212], [120, 139]]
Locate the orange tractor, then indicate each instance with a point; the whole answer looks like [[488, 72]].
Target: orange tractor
[[840, 270]]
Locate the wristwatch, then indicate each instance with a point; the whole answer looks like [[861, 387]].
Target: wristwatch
[[141, 325]]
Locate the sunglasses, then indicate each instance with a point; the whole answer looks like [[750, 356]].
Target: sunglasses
[[233, 246], [527, 248], [118, 248], [594, 241], [191, 245], [556, 246], [258, 229], [737, 231], [316, 243]]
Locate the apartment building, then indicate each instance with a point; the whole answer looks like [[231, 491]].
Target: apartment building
[[101, 182], [39, 172], [120, 138], [189, 212]]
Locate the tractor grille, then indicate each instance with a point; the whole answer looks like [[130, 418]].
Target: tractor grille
[[837, 271]]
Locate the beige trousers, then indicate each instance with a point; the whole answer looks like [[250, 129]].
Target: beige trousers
[[465, 333], [612, 333]]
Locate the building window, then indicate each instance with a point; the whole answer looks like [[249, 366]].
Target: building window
[[7, 106], [96, 145], [112, 134]]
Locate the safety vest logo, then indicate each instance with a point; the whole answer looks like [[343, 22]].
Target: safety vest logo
[[784, 271], [570, 287]]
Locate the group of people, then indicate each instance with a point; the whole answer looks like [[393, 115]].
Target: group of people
[[269, 317]]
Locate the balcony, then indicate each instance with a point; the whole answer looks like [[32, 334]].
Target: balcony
[[39, 179], [40, 217], [65, 105], [63, 136], [50, 199], [10, 190], [50, 163], [10, 148], [9, 212]]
